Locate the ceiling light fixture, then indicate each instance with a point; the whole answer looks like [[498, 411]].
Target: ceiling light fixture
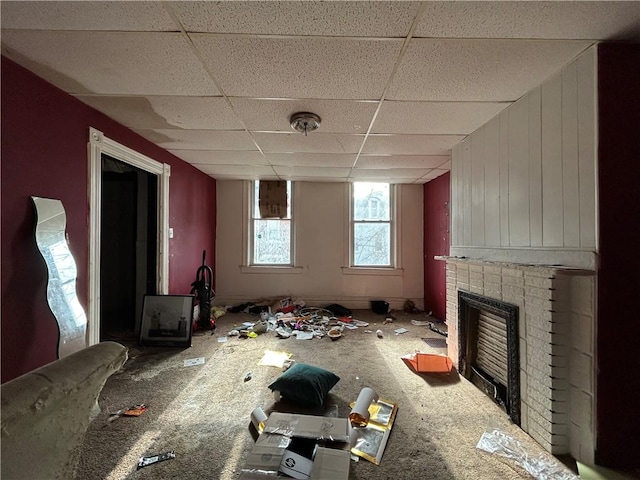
[[305, 122]]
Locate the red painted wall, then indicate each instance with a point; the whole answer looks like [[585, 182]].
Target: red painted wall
[[44, 153], [618, 324], [437, 195]]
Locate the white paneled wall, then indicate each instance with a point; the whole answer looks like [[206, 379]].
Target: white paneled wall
[[321, 222], [525, 181]]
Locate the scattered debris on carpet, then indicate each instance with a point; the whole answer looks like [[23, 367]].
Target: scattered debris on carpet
[[133, 411], [542, 466], [146, 461], [190, 362], [371, 421], [435, 342], [274, 359], [421, 362]]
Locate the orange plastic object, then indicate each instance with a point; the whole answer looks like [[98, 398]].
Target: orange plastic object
[[428, 362]]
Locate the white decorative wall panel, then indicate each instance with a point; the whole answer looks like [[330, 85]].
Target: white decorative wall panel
[[526, 179]]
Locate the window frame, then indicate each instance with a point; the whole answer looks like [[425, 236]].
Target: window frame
[[249, 265], [394, 256]]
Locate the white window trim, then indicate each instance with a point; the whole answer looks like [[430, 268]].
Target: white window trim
[[99, 144], [247, 231], [396, 253]]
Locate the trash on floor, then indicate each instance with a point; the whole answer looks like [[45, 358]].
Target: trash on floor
[[428, 362], [222, 339], [400, 331], [133, 411], [542, 466], [258, 417], [290, 444], [274, 359], [435, 342], [146, 461], [248, 376], [371, 420], [190, 362]]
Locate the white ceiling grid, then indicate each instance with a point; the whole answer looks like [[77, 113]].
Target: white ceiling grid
[[397, 84]]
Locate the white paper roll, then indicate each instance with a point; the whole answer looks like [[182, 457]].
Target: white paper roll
[[258, 417], [359, 415]]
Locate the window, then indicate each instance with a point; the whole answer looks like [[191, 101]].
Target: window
[[371, 225], [271, 238]]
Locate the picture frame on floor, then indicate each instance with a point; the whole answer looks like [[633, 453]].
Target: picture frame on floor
[[167, 320]]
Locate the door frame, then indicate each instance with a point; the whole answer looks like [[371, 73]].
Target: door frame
[[100, 144]]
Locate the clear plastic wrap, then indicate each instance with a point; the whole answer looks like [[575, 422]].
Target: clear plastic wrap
[[542, 466]]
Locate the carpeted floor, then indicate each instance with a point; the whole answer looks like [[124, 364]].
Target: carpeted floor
[[202, 412]]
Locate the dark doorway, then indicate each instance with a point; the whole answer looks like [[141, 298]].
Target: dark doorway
[[128, 246]]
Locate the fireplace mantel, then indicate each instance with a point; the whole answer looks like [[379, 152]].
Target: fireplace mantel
[[556, 343]]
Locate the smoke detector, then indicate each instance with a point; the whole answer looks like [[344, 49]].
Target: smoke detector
[[305, 122]]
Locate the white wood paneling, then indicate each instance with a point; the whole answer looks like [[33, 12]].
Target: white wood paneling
[[552, 209], [519, 174], [477, 187], [457, 206], [570, 185], [466, 190], [492, 183], [504, 178], [587, 147], [535, 169], [526, 179]]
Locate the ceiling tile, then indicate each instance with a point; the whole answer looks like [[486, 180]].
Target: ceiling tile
[[267, 67], [411, 144], [311, 159], [202, 113], [445, 166], [239, 171], [98, 15], [111, 63], [313, 143], [220, 157], [354, 19], [478, 70], [401, 161], [435, 173], [311, 172], [199, 139], [337, 116], [461, 118], [390, 173], [358, 176], [553, 20]]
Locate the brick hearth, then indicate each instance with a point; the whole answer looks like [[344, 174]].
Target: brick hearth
[[556, 329]]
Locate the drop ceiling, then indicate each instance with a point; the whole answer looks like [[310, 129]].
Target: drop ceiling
[[396, 84]]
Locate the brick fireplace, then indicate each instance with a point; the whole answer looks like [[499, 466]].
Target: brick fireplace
[[555, 344]]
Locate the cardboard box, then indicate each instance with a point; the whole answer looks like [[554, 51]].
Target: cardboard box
[[272, 199], [274, 449], [308, 426]]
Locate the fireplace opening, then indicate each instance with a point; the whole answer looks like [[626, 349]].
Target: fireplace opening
[[488, 349]]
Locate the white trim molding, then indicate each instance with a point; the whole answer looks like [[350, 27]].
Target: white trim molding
[[99, 144]]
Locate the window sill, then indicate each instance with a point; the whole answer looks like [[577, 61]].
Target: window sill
[[396, 272], [270, 269]]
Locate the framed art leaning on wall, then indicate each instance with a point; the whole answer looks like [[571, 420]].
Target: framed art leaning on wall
[[166, 320]]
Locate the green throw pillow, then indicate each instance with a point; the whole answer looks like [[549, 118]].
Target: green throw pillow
[[305, 384]]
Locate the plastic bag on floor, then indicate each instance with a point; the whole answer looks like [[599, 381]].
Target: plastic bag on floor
[[542, 466]]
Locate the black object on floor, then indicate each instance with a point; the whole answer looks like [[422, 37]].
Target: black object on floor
[[436, 342]]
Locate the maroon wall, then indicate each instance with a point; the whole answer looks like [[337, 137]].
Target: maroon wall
[[436, 242], [44, 153], [618, 325]]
